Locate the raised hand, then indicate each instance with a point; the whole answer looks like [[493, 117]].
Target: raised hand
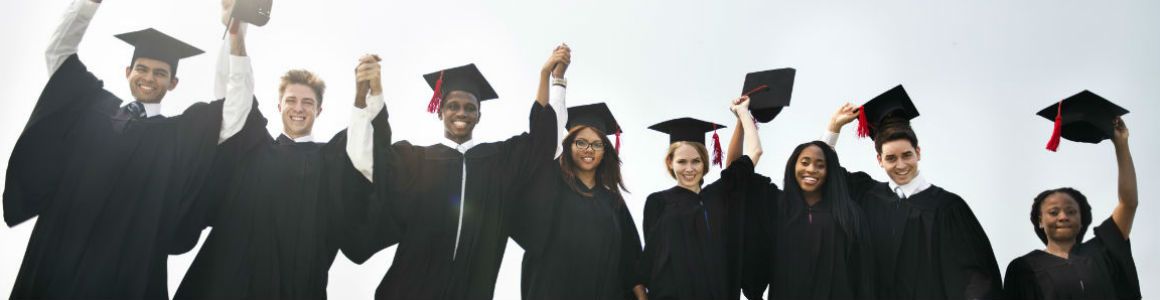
[[1120, 134], [367, 78], [738, 105], [844, 115], [558, 62]]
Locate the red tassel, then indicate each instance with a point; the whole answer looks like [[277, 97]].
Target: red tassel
[[436, 98], [716, 147], [863, 124], [617, 141], [755, 90], [1053, 143]]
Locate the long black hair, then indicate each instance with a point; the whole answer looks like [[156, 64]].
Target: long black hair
[[1085, 212], [607, 173], [834, 191]]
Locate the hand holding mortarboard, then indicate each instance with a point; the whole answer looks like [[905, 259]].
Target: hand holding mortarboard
[[844, 115], [1084, 117], [1120, 136], [367, 78], [739, 105], [255, 12]]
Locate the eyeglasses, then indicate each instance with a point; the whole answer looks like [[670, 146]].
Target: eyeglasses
[[582, 144]]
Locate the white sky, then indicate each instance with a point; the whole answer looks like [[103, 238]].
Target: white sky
[[977, 70]]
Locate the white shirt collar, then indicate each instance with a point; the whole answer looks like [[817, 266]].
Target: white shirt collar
[[462, 148], [301, 139], [915, 186], [152, 109]]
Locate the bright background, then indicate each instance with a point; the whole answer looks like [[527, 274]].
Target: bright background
[[977, 70]]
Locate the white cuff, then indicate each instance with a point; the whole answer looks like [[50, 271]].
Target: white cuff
[[360, 134], [67, 37], [556, 96], [830, 138], [239, 97]]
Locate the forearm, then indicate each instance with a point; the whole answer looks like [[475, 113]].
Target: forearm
[[1125, 211], [735, 142], [752, 139], [542, 89], [239, 96], [67, 36]]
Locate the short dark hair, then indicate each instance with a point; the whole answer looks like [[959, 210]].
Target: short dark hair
[[893, 129], [1085, 211], [302, 77]]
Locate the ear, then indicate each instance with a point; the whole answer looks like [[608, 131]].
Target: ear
[[279, 106], [128, 70], [917, 153], [879, 157], [173, 84], [319, 111]]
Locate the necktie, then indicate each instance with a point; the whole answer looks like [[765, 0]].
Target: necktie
[[136, 110]]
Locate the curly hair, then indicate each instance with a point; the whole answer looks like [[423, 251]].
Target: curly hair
[[1085, 211]]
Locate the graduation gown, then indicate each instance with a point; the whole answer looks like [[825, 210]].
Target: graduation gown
[[106, 188], [1101, 268], [927, 246], [417, 203], [809, 255], [693, 242], [576, 246], [275, 207]]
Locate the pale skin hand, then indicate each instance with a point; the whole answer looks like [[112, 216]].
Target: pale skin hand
[[1125, 211], [844, 115], [558, 62], [746, 125], [368, 79]]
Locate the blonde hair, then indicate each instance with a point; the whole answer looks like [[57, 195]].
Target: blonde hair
[[303, 77], [704, 153]]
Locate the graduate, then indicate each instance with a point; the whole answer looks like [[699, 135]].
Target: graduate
[[108, 182], [274, 202], [815, 244], [579, 239], [693, 232], [1068, 267], [927, 242], [443, 204]]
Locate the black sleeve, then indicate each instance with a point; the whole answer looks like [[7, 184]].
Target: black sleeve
[[630, 251], [526, 153], [969, 267], [654, 207], [757, 193], [375, 219], [859, 184], [863, 256], [1020, 283], [344, 192], [40, 155], [530, 215], [1117, 255]]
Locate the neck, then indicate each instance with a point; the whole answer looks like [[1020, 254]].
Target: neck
[[587, 177], [812, 197], [295, 136], [457, 139], [695, 188], [1060, 248]]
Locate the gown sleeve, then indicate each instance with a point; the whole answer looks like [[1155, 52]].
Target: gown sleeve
[[40, 154], [526, 153], [968, 261], [1020, 282], [761, 195], [1117, 255], [375, 220], [654, 207], [630, 252], [859, 183]]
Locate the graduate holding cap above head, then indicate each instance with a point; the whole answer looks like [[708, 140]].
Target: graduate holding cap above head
[[927, 242], [444, 204], [1069, 267], [579, 239], [109, 183]]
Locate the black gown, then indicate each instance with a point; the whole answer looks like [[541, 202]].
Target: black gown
[[810, 256], [927, 246], [416, 205], [1101, 268], [576, 246], [693, 242], [275, 208], [106, 187]]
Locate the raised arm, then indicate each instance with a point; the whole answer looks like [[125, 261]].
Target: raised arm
[[68, 34], [239, 85], [740, 108], [556, 90], [1125, 211], [367, 104]]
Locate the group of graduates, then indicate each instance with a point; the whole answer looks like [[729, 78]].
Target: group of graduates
[[119, 187]]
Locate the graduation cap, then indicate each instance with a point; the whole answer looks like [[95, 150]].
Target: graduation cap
[[894, 104], [466, 78], [769, 91], [691, 130], [597, 116], [1084, 117], [150, 43], [255, 12]]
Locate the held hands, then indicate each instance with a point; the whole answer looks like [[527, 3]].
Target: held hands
[[739, 106], [368, 79], [846, 113], [557, 64]]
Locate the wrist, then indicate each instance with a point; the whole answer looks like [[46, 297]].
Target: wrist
[[835, 127], [562, 82]]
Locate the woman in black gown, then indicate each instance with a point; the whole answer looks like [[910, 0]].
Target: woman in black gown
[[579, 239], [1068, 268]]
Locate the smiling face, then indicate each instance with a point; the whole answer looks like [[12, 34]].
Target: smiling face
[[810, 169], [1060, 218], [587, 150], [899, 158], [459, 113], [299, 107], [149, 79], [688, 164]]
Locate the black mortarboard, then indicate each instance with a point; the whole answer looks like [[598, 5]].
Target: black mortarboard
[[691, 130], [1084, 117], [466, 78], [596, 115], [894, 104], [150, 43], [769, 91], [255, 12]]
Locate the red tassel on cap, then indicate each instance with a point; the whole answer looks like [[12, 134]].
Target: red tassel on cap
[[755, 90], [863, 124], [1053, 143], [617, 141], [716, 147], [436, 98]]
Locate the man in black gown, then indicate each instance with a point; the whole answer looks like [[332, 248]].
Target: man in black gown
[[443, 204], [927, 242], [108, 182]]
